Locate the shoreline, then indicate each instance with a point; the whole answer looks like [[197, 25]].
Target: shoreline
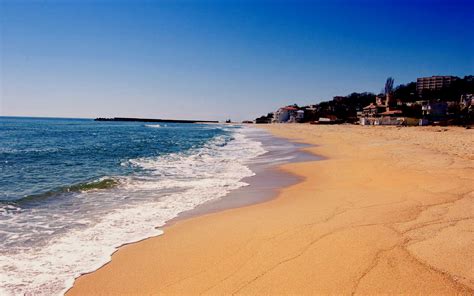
[[263, 186], [174, 263], [242, 149]]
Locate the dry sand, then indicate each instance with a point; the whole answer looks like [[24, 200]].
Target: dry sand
[[389, 211]]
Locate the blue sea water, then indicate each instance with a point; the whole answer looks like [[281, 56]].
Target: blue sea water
[[38, 156], [73, 190]]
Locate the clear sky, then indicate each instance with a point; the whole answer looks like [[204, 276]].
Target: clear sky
[[219, 59]]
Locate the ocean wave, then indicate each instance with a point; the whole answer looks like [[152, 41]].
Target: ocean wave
[[6, 150], [153, 125], [98, 184], [166, 186]]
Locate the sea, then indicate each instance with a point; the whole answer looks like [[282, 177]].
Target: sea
[[74, 190]]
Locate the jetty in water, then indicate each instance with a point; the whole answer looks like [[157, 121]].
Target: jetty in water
[[154, 120]]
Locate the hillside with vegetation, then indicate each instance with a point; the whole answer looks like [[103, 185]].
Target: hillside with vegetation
[[404, 97]]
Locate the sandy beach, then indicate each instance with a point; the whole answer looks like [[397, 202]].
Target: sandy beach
[[388, 210]]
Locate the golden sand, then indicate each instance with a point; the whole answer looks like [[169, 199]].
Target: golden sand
[[390, 210]]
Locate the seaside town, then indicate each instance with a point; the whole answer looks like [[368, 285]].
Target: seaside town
[[435, 100]]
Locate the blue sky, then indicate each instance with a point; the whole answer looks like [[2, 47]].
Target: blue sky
[[218, 59]]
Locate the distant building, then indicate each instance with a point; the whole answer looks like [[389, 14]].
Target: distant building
[[467, 100], [392, 113], [300, 115], [434, 83], [434, 109], [467, 106], [373, 110], [285, 114], [328, 119], [369, 113], [381, 114]]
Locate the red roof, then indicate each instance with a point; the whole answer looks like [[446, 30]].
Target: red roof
[[393, 112], [290, 108], [370, 106]]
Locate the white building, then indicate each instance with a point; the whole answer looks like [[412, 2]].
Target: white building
[[285, 114], [299, 115]]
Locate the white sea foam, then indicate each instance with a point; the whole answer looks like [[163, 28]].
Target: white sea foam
[[153, 125], [189, 179]]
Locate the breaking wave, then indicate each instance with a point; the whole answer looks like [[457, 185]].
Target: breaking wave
[[124, 210]]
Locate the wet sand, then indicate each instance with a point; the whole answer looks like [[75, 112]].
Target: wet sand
[[269, 178], [388, 210]]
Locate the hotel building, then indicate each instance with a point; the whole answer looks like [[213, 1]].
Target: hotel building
[[434, 82]]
